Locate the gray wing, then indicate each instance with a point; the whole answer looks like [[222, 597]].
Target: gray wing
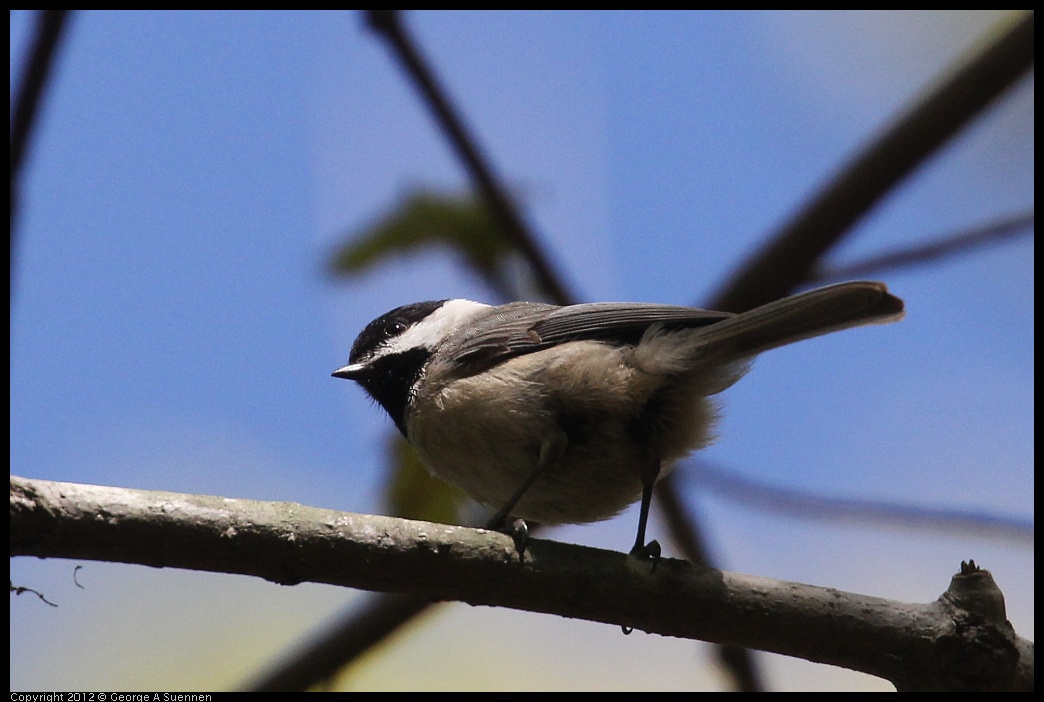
[[526, 327], [622, 322]]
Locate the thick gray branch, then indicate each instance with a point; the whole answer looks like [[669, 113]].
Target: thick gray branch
[[960, 641]]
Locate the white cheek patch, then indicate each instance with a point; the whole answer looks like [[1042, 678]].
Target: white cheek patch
[[436, 326]]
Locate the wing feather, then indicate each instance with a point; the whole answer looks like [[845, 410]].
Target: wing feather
[[521, 328]]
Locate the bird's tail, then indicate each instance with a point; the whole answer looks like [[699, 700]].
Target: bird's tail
[[800, 316]]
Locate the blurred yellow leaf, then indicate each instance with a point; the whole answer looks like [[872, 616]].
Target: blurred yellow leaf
[[413, 493]]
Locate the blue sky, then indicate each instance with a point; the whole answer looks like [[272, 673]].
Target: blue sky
[[173, 327]]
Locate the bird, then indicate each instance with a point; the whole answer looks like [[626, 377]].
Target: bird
[[570, 414]]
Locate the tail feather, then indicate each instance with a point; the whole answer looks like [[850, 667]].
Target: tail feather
[[801, 316]]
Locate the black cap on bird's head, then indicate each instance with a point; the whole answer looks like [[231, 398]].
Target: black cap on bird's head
[[388, 370]]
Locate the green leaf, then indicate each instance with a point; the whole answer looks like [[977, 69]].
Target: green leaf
[[426, 219]]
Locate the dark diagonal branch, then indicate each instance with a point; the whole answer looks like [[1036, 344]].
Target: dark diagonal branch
[[388, 24], [35, 74], [788, 258], [344, 640], [32, 85]]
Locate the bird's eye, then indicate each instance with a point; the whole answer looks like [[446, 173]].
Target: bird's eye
[[394, 328]]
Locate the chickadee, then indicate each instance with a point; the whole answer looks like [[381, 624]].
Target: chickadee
[[566, 415]]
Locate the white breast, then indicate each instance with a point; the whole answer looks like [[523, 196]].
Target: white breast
[[484, 433]]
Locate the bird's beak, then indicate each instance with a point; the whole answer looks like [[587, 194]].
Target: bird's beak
[[350, 372]]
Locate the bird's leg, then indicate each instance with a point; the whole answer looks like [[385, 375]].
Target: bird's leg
[[646, 551], [551, 451], [651, 550]]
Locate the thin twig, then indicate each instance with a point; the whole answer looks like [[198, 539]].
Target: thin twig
[[803, 505], [949, 245], [18, 590]]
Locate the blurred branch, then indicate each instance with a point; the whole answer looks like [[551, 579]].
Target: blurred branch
[[790, 255], [962, 641], [688, 535], [35, 75], [388, 25], [345, 639], [802, 505], [961, 242]]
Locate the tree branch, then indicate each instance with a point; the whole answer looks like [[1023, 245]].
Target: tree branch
[[921, 254], [388, 24], [35, 77], [788, 257], [959, 642], [802, 504], [342, 640]]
